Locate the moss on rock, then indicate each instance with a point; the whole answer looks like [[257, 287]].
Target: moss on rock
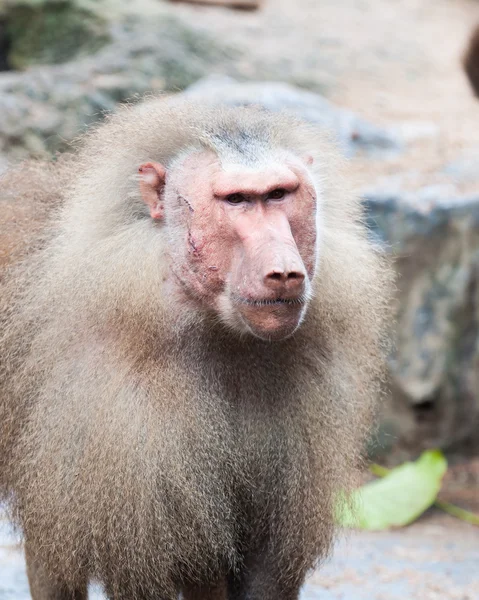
[[52, 31]]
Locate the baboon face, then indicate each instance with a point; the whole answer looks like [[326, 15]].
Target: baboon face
[[242, 239]]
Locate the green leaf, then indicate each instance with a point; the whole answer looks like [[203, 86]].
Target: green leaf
[[399, 498]]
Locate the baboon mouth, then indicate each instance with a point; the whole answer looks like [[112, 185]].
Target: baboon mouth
[[270, 319], [300, 301]]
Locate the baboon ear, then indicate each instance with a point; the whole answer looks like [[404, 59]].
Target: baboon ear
[[152, 182]]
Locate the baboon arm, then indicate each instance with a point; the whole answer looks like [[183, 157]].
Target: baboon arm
[[43, 587]]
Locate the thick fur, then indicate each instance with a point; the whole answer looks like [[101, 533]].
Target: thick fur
[[146, 445], [40, 187], [471, 61]]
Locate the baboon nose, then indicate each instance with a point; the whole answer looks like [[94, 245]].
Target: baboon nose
[[284, 279]]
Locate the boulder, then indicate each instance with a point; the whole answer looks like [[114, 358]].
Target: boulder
[[43, 109], [353, 133], [51, 31], [434, 369], [244, 4]]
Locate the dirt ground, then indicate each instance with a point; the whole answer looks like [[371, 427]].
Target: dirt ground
[[434, 559]]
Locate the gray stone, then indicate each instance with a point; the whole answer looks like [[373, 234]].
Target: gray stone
[[43, 109], [52, 31], [434, 240], [353, 133], [466, 166]]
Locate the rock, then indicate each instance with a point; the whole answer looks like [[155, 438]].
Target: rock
[[52, 31], [414, 130], [353, 133], [245, 4], [45, 108], [434, 371], [466, 166]]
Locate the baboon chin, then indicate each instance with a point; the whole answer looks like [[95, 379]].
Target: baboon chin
[[191, 356]]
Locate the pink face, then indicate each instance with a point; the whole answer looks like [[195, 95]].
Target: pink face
[[243, 240]]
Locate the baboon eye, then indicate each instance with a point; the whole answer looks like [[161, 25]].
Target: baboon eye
[[277, 194], [235, 198]]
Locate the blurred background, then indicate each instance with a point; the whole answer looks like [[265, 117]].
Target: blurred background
[[386, 77]]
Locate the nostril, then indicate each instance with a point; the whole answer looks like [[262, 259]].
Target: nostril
[[295, 275], [288, 278]]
